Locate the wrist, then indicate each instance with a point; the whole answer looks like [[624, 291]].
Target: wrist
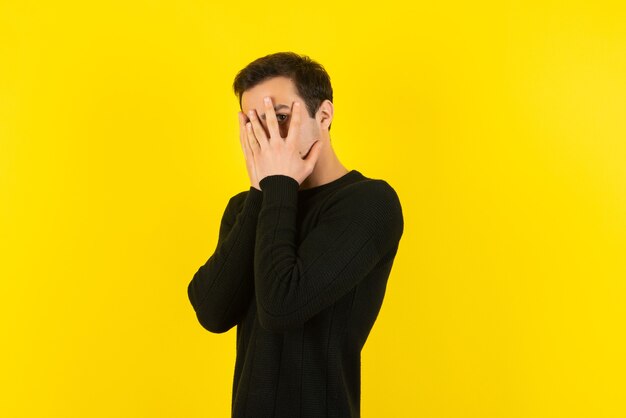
[[279, 186]]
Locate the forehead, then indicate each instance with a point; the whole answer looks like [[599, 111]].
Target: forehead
[[280, 89]]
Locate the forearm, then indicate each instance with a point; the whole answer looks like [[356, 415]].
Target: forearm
[[221, 289], [297, 277]]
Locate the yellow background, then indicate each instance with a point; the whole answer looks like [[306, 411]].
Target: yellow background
[[501, 125]]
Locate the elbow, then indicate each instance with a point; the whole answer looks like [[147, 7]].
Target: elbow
[[280, 314], [276, 326], [278, 323], [209, 319], [209, 323]]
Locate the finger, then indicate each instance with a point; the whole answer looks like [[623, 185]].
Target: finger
[[258, 130], [314, 152], [270, 119], [242, 131], [243, 137], [294, 124], [252, 141]]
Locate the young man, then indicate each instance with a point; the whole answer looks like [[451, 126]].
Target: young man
[[303, 256]]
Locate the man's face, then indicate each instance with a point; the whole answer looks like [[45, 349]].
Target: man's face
[[282, 92]]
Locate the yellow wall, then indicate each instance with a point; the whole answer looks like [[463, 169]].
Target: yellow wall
[[501, 125]]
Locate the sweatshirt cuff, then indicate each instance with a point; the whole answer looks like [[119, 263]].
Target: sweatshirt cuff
[[279, 187], [254, 199]]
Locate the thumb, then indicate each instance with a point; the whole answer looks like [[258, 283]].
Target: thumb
[[314, 151]]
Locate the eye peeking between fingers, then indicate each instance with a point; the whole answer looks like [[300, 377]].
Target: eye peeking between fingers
[[280, 117]]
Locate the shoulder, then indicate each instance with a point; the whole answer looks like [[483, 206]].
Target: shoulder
[[371, 202], [369, 193], [373, 207]]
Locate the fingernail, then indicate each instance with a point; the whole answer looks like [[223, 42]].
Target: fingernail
[[267, 100]]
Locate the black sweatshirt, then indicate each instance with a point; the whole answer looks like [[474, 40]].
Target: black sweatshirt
[[302, 273]]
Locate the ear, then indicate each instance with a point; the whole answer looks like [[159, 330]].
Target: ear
[[324, 114]]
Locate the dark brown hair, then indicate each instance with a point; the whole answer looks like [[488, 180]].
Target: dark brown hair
[[311, 80]]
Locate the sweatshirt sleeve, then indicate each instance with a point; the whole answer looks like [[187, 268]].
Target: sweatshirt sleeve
[[296, 280], [221, 290]]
